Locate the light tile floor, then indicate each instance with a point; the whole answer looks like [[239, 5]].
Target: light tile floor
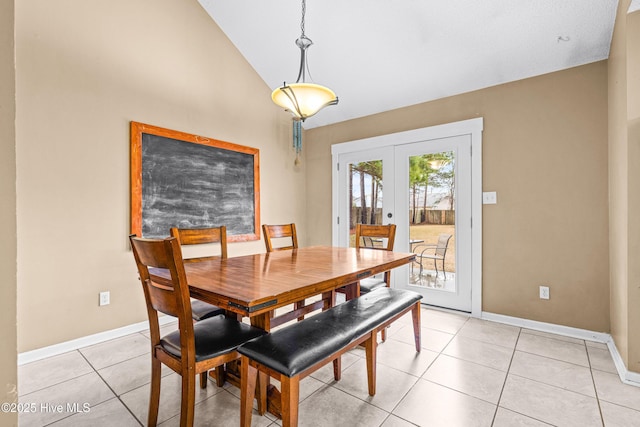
[[470, 372]]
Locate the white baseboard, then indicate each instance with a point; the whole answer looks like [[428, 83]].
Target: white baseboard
[[566, 331], [626, 376], [64, 347]]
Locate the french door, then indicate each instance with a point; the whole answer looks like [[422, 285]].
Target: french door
[[366, 191], [425, 187], [433, 198]]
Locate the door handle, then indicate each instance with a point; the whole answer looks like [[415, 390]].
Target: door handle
[[389, 215]]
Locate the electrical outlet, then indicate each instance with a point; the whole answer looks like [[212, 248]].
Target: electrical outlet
[[544, 292], [105, 298]]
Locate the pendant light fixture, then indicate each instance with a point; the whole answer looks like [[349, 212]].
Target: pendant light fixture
[[303, 99]]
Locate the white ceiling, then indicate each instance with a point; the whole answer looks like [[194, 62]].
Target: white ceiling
[[379, 55]]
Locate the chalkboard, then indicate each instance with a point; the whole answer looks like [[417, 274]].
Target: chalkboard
[[189, 181]]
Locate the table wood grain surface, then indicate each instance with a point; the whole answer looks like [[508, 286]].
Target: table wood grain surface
[[251, 285]]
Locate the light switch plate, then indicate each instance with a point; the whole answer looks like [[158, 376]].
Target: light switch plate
[[489, 198]]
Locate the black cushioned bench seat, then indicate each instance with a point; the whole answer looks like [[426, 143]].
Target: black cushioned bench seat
[[297, 350]]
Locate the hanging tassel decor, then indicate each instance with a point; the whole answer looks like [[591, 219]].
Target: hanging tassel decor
[[297, 140]]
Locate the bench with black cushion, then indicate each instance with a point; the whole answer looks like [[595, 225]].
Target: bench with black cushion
[[292, 353]]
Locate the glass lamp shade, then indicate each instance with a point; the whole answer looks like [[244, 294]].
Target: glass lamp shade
[[303, 99], [437, 164]]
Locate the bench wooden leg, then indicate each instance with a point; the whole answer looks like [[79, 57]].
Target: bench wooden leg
[[247, 391], [337, 368], [290, 395], [371, 349], [415, 315]]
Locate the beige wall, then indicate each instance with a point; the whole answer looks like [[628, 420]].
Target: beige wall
[[624, 178], [85, 69], [545, 153], [8, 242], [618, 170], [633, 138]]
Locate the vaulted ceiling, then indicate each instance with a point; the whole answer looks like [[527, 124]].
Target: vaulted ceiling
[[379, 55]]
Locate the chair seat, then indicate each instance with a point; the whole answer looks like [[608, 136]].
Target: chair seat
[[201, 310], [213, 337], [371, 283]]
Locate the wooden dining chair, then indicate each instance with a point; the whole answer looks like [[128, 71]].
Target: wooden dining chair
[[198, 236], [367, 235], [201, 310], [284, 231], [195, 347], [287, 231]]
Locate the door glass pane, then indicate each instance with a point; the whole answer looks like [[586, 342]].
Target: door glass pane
[[365, 196], [432, 228]]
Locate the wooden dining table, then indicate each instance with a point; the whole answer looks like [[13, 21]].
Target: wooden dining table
[[255, 286]]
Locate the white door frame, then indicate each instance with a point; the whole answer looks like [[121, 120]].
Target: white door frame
[[472, 127]]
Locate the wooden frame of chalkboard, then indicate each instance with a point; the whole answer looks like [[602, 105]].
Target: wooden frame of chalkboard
[[190, 181]]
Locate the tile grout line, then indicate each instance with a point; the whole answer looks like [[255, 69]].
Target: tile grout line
[[109, 386], [425, 371], [477, 364], [513, 353], [61, 382], [595, 389], [567, 390], [58, 384], [555, 360]]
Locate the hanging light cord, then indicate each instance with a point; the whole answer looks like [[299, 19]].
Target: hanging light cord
[[303, 43], [304, 11]]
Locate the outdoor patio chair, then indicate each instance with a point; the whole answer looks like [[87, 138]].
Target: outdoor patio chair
[[439, 252]]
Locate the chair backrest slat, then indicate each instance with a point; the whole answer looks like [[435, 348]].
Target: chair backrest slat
[[368, 232], [162, 298], [277, 232], [166, 296], [198, 236]]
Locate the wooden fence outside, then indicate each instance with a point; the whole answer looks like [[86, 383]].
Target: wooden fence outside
[[439, 217]]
